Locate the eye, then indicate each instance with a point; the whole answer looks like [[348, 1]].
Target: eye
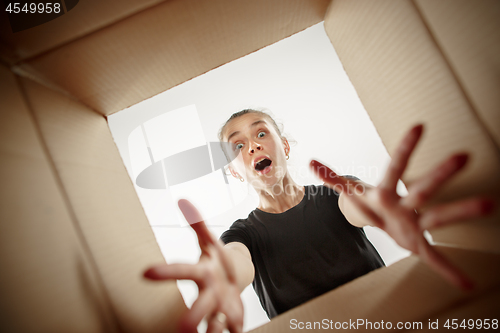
[[238, 146], [261, 134]]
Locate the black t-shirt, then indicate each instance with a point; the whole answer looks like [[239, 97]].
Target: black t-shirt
[[304, 252]]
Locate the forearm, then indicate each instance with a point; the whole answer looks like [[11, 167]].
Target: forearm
[[351, 212], [242, 264]]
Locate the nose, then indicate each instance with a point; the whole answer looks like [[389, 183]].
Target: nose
[[254, 147]]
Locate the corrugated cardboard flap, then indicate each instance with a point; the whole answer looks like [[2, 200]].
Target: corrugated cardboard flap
[[85, 18], [48, 281], [403, 78], [106, 210], [161, 47], [468, 34]]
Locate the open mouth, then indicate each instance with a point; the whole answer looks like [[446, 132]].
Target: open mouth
[[262, 164]]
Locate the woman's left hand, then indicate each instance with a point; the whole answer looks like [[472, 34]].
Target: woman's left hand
[[382, 207]]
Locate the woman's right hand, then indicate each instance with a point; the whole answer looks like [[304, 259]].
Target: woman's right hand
[[218, 292]]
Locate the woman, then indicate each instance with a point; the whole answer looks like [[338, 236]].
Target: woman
[[303, 241]]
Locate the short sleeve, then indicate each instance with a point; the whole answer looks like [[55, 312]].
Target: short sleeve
[[238, 232]]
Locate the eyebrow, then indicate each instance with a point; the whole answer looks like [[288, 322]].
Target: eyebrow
[[253, 124]]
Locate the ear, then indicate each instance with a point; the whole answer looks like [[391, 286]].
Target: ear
[[286, 145], [234, 173]]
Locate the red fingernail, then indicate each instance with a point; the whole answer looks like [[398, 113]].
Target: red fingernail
[[487, 206], [314, 163], [150, 274], [467, 285], [419, 128], [320, 169], [461, 160], [189, 211], [185, 326]]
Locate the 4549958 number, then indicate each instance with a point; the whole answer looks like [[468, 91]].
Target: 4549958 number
[[471, 324], [32, 8]]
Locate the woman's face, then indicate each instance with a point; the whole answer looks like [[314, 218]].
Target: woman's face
[[258, 152]]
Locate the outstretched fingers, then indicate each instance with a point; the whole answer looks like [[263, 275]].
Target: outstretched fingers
[[205, 238], [340, 184], [368, 213], [235, 321], [226, 263], [455, 212], [218, 321], [206, 303], [331, 179], [196, 222], [174, 272], [443, 267], [400, 159], [420, 191], [216, 325]]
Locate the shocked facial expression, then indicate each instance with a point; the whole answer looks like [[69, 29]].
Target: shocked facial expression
[[260, 151]]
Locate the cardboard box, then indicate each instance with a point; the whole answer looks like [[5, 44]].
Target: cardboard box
[[74, 236]]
